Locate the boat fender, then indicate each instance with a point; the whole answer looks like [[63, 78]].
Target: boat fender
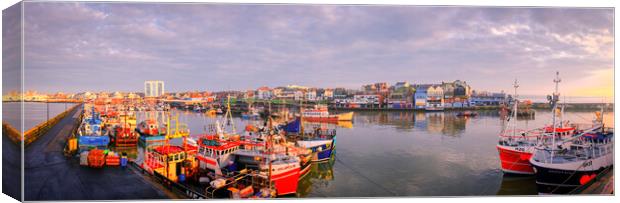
[[586, 178]]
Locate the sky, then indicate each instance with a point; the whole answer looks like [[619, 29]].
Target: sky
[[74, 47]]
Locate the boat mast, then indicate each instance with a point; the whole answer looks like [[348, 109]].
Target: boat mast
[[601, 117], [554, 102], [229, 115], [301, 117], [515, 109]]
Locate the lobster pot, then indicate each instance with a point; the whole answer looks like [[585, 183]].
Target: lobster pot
[[96, 158], [112, 160], [84, 158]]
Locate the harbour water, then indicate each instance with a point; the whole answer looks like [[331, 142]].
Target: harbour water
[[383, 154], [34, 112]]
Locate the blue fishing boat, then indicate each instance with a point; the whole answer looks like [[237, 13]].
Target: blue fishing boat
[[91, 133], [322, 142]]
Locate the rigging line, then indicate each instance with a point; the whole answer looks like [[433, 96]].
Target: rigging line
[[571, 175], [360, 174], [580, 116]]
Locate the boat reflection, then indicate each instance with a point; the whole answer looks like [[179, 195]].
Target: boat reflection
[[324, 125], [517, 185], [320, 175]]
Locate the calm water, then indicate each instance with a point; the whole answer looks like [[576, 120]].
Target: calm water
[[411, 154], [34, 112]]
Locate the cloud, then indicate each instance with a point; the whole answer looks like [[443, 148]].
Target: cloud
[[244, 46]]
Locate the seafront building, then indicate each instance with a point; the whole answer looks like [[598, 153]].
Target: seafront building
[[435, 97], [420, 96], [153, 88], [401, 96], [380, 95]]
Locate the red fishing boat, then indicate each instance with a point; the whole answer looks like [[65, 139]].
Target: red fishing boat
[[515, 146], [123, 135]]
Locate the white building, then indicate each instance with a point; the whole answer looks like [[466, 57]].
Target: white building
[[311, 95], [263, 93], [153, 88]]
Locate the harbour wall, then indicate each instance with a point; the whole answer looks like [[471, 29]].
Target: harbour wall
[[34, 133]]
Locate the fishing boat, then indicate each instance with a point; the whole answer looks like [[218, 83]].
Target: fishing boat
[[322, 142], [322, 148], [275, 162], [564, 164], [280, 168], [174, 163], [180, 129], [91, 133], [211, 112], [215, 150], [515, 146], [215, 153], [257, 140], [151, 133], [252, 115], [123, 135], [467, 114], [560, 170], [320, 113]]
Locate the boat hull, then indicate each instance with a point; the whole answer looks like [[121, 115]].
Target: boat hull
[[305, 168], [345, 116], [562, 178], [331, 118], [148, 141], [100, 142], [322, 119], [322, 150], [323, 155], [126, 142], [286, 182], [515, 161], [560, 181]]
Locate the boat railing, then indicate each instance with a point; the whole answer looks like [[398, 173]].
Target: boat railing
[[245, 176], [576, 149], [519, 133]]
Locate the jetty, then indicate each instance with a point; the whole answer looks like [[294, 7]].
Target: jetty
[[51, 176]]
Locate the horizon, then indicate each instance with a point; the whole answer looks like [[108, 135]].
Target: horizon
[[103, 46]]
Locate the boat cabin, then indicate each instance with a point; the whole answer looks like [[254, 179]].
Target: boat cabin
[[214, 153], [167, 161]]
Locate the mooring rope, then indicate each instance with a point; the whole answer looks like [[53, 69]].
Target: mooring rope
[[365, 177]]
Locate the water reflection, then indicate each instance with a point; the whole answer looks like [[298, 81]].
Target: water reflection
[[319, 176], [517, 185]]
